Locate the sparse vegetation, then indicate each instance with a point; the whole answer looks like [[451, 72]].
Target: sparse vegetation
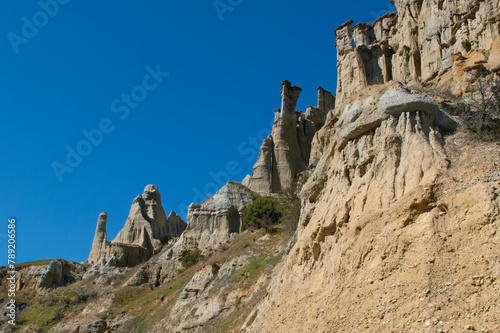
[[480, 109], [229, 322], [250, 271], [40, 315], [54, 306], [147, 305], [143, 306], [267, 212]]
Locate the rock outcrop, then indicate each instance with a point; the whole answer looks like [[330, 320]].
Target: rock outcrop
[[225, 287], [286, 151], [216, 221], [175, 225], [51, 275], [45, 277], [105, 266], [145, 232], [212, 226], [197, 304], [148, 273], [417, 44]]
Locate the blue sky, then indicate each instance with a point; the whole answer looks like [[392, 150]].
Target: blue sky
[[173, 93]]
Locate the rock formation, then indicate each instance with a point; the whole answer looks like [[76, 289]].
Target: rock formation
[[391, 235], [419, 43], [285, 153], [146, 230], [211, 225], [175, 225], [51, 275], [399, 225], [146, 225], [216, 221], [202, 289], [364, 115], [100, 244]]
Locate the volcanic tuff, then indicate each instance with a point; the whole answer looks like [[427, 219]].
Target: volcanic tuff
[[399, 227], [363, 174]]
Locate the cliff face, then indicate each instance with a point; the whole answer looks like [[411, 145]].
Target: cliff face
[[418, 44], [361, 174], [388, 241]]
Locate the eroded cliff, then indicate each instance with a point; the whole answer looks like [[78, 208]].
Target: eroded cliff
[[399, 225], [388, 244]]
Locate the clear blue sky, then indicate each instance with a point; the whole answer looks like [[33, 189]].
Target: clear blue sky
[[74, 71]]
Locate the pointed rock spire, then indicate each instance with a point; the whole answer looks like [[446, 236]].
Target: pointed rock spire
[[100, 245]]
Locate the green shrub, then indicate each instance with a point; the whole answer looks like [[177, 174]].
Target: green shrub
[[191, 258], [262, 213]]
